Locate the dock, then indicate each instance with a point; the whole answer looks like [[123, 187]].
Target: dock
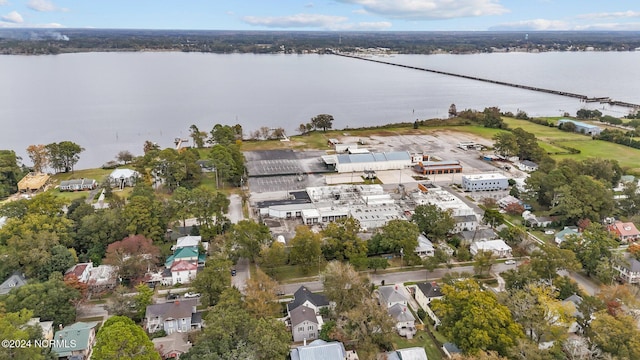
[[581, 97]]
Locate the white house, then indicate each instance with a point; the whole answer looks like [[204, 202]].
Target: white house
[[498, 247], [628, 269], [305, 324], [178, 316], [405, 321], [81, 271], [320, 350], [425, 247], [121, 178], [183, 271], [465, 222], [485, 182], [425, 292], [412, 353]]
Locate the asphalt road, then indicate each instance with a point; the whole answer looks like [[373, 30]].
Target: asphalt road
[[235, 208]]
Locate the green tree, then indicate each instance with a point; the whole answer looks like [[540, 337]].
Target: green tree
[[64, 155], [120, 338], [593, 247], [583, 198], [141, 300], [13, 326], [197, 136], [483, 263], [528, 148], [435, 223], [209, 208], [616, 335], [341, 241], [144, 216], [322, 121], [95, 232], [181, 204], [492, 118], [506, 144], [305, 248], [343, 286], [474, 320], [400, 236], [547, 261], [10, 173], [213, 280], [273, 257], [248, 238], [493, 217], [376, 263], [260, 296], [51, 300]]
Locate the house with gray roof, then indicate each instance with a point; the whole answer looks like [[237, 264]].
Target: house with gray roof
[[412, 353], [303, 296], [305, 324], [390, 295], [628, 269], [75, 341], [320, 350], [479, 234], [405, 321], [122, 178], [425, 292], [425, 247], [14, 281], [178, 316]]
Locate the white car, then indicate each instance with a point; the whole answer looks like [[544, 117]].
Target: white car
[[510, 262], [191, 295]]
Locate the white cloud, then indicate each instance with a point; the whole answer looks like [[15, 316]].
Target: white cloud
[[532, 25], [13, 17], [610, 27], [4, 2], [308, 5], [611, 15], [430, 9], [41, 5], [371, 26], [26, 25], [297, 21]]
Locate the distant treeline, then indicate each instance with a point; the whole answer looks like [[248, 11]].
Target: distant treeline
[[47, 41]]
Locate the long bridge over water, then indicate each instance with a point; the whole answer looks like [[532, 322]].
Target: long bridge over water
[[585, 98]]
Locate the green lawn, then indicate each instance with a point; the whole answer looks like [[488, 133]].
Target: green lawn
[[421, 339], [626, 156]]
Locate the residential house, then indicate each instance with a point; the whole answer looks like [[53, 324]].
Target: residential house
[[628, 269], [574, 301], [78, 185], [102, 278], [305, 324], [425, 247], [465, 222], [536, 221], [526, 165], [469, 237], [75, 340], [81, 271], [390, 295], [33, 182], [405, 321], [504, 202], [304, 297], [561, 236], [320, 350], [625, 231], [183, 265], [172, 346], [425, 292], [498, 247], [45, 326], [122, 178], [190, 241], [412, 353], [178, 316], [14, 281]]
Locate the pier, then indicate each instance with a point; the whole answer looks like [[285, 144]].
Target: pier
[[585, 98]]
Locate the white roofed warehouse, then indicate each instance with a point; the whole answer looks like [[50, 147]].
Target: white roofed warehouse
[[373, 161]]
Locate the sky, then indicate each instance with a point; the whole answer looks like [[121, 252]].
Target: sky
[[325, 15]]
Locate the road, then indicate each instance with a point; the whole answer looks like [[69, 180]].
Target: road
[[397, 277], [242, 274], [235, 208]]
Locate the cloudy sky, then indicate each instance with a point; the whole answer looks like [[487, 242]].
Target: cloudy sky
[[337, 15]]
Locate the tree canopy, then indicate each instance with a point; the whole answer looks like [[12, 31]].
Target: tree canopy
[[120, 338]]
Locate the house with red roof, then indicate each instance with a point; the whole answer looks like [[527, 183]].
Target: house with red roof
[[81, 271], [625, 231]]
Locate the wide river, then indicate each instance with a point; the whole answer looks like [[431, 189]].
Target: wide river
[[108, 102]]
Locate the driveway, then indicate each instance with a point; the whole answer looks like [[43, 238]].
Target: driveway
[[242, 274], [235, 208]]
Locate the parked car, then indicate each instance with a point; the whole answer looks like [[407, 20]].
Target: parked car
[[510, 262], [171, 296], [233, 272], [191, 295]]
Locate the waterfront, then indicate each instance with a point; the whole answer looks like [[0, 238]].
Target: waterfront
[[108, 102]]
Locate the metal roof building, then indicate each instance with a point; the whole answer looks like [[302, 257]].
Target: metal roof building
[[373, 161]]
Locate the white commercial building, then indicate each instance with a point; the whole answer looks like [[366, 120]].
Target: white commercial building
[[346, 163], [485, 182]]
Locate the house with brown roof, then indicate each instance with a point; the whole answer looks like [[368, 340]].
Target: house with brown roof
[[625, 231], [33, 182], [178, 316]]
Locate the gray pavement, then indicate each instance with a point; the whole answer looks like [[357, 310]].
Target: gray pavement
[[242, 275], [235, 209]]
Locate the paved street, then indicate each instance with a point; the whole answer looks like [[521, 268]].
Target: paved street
[[235, 208], [242, 274]]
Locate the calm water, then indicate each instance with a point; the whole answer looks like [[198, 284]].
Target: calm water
[[108, 102]]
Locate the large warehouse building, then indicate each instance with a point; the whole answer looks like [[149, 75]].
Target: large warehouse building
[[376, 161], [484, 182]]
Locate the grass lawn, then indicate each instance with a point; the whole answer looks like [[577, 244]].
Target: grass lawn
[[97, 174], [626, 156], [293, 273], [421, 339]]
